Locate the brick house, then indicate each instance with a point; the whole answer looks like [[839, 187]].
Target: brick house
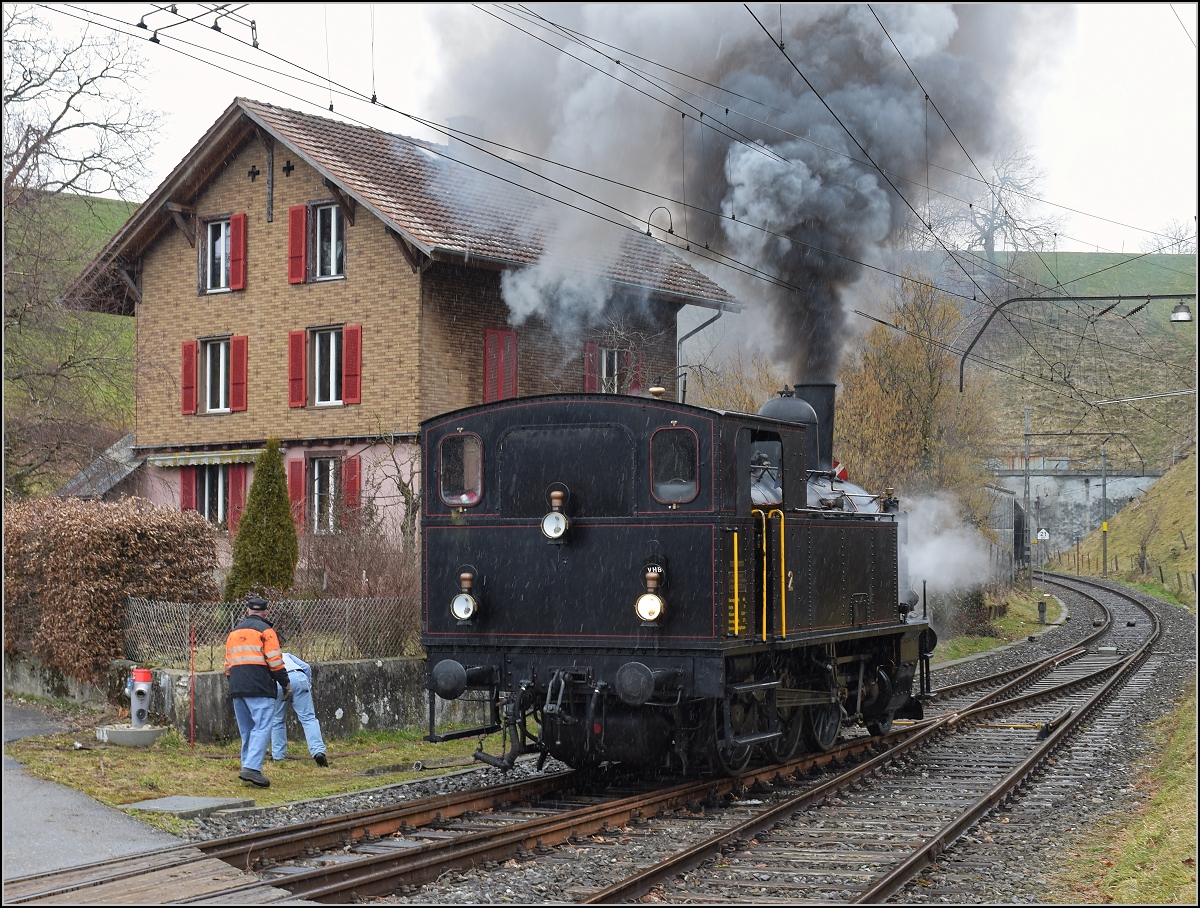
[[334, 285]]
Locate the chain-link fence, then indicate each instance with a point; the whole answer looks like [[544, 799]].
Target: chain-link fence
[[172, 634]]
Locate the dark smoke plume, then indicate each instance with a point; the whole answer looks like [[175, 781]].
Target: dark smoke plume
[[834, 212]]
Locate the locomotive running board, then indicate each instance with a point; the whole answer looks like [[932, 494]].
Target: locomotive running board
[[464, 733]]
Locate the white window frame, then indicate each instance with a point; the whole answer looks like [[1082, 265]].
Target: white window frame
[[212, 492], [326, 369], [330, 269], [216, 384], [324, 479], [216, 256], [608, 371]]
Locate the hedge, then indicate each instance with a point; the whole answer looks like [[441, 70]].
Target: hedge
[[70, 565]]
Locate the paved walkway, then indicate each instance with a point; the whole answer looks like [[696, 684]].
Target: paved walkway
[[48, 826]]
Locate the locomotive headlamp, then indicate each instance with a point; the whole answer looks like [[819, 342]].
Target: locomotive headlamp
[[463, 606], [649, 605], [555, 524]]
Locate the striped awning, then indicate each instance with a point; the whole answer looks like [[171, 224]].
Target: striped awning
[[204, 458]]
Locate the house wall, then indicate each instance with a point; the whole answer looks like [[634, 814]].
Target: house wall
[[459, 303], [379, 292], [422, 336]]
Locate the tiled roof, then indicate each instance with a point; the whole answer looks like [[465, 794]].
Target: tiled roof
[[445, 206], [102, 474]]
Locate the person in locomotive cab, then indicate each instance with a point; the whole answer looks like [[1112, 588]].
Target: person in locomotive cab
[[254, 666], [764, 481]]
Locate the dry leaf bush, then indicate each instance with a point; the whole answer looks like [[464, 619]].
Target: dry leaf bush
[[69, 566]]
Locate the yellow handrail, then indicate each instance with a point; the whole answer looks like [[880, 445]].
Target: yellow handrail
[[782, 570], [760, 515], [737, 626]]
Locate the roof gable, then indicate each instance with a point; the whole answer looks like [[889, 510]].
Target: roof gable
[[443, 208]]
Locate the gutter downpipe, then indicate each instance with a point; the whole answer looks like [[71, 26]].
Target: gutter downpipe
[[679, 347]]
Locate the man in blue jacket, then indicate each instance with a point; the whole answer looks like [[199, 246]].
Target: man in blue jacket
[[300, 676]]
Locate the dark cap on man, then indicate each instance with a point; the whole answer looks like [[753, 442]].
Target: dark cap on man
[[257, 605]]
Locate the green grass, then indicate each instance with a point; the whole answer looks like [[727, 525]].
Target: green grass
[[1150, 857], [116, 775], [1018, 621], [1166, 517]]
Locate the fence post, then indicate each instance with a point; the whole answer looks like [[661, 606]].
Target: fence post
[[1160, 576]]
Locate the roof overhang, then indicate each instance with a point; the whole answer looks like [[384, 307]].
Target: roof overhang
[[235, 126]]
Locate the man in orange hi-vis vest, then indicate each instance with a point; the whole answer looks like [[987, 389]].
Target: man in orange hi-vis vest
[[254, 665]]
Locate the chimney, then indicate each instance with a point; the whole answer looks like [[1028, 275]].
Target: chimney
[[821, 399]]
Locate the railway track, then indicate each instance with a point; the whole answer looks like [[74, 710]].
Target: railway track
[[853, 824]]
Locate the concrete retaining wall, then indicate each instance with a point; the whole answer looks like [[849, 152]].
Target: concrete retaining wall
[[383, 694]]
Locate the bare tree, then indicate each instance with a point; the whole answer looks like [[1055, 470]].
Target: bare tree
[[73, 130], [1003, 213], [1176, 238]]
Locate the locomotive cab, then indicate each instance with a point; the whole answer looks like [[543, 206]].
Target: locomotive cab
[[641, 582]]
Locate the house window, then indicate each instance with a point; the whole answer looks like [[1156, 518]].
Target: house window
[[216, 257], [223, 257], [330, 242], [607, 370], [610, 373], [316, 242], [216, 375], [323, 493], [327, 366], [212, 493]]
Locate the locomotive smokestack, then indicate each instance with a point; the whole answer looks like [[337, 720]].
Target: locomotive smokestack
[[821, 398]]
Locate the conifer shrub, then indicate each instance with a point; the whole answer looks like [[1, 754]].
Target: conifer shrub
[[265, 550], [70, 565]]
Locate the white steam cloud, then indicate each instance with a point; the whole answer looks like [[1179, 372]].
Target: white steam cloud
[[942, 550]]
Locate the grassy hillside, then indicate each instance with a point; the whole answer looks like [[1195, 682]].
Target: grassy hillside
[[1164, 519], [1061, 358], [69, 374]]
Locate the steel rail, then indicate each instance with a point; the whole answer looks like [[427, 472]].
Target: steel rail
[[641, 882], [928, 851]]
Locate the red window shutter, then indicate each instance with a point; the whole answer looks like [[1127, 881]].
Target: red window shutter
[[508, 364], [591, 368], [297, 244], [187, 488], [295, 481], [633, 363], [237, 252], [499, 364], [352, 364], [238, 369], [491, 365], [237, 495], [191, 350], [352, 484], [297, 386]]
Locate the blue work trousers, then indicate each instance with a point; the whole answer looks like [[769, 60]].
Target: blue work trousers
[[254, 716], [302, 703]]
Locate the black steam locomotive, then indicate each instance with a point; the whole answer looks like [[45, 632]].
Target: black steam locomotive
[[628, 580]]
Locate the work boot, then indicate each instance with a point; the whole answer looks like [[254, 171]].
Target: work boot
[[320, 760], [254, 777]]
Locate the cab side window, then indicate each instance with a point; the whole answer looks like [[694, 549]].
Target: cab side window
[[766, 470], [674, 465]]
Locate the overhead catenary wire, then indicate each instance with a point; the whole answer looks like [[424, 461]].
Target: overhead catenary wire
[[583, 38], [352, 94], [718, 257]]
